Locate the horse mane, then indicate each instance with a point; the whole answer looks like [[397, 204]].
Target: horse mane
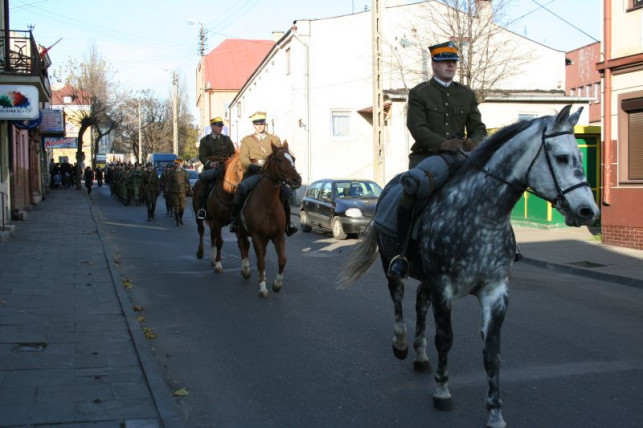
[[491, 144], [230, 178]]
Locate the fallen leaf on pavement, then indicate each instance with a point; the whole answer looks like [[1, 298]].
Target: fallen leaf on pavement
[[148, 333], [180, 392], [127, 283], [137, 308]]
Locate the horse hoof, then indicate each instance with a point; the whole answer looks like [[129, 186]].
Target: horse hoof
[[443, 404], [422, 366], [264, 294], [277, 288], [246, 275], [400, 354], [199, 255], [218, 269]]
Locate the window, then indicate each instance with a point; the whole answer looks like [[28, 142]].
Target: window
[[630, 137], [340, 124], [67, 99], [313, 191], [572, 92], [327, 191], [635, 4], [597, 92]]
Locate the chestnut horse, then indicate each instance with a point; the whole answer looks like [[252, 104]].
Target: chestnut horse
[[217, 209], [263, 217]]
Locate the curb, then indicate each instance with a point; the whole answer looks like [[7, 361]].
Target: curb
[[617, 279], [160, 392]]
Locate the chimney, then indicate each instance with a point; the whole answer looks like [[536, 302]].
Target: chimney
[[484, 10]]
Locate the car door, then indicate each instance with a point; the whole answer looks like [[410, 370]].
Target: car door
[[310, 203], [326, 208]]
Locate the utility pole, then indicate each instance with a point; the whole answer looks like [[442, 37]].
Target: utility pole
[[175, 112], [378, 95], [201, 92]]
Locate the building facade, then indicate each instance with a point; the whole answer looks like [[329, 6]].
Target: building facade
[[621, 69], [583, 80]]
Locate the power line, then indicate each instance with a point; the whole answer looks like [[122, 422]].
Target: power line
[[566, 22]]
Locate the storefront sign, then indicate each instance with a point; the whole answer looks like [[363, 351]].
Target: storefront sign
[[18, 102], [60, 143], [53, 122]]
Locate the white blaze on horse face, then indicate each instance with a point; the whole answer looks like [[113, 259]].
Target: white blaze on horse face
[[290, 159]]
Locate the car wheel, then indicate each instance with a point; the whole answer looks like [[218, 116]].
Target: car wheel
[[303, 222], [338, 229]]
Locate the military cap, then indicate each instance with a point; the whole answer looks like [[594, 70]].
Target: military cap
[[216, 121], [446, 51], [258, 117]]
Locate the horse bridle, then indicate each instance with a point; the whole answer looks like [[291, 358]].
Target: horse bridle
[[560, 200], [279, 182]]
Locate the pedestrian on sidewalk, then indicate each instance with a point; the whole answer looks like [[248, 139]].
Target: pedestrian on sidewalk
[[89, 179]]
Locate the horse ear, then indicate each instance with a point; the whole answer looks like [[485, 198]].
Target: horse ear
[[562, 116], [573, 119], [285, 144]]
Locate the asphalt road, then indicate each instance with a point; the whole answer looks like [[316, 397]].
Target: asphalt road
[[315, 355]]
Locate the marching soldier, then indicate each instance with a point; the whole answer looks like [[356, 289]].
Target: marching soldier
[[178, 187], [150, 189]]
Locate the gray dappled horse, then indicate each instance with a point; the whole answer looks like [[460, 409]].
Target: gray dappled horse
[[466, 246]]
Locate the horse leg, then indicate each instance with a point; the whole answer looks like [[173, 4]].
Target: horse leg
[[443, 341], [280, 247], [200, 228], [215, 251], [396, 290], [494, 306], [260, 252], [244, 249], [422, 303]]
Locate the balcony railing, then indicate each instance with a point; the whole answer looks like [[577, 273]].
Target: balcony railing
[[19, 56]]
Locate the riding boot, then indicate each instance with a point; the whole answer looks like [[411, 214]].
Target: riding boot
[[235, 210], [181, 217], [176, 217], [399, 266], [290, 229], [149, 214]]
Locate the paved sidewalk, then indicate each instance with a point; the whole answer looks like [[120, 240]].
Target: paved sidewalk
[[579, 251], [71, 351]]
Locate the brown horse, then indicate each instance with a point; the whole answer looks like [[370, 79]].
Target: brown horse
[[263, 217], [218, 209]]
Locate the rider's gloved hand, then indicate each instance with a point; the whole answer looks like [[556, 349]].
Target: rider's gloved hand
[[253, 167], [469, 145], [452, 145]]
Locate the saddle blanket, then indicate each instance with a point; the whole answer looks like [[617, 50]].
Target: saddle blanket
[[421, 181]]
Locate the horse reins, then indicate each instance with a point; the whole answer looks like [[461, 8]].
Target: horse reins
[[560, 197]]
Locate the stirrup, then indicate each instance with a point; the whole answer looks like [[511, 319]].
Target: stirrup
[[518, 256], [201, 214], [291, 230], [398, 268]]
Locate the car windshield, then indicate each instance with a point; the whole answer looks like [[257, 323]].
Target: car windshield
[[357, 189]]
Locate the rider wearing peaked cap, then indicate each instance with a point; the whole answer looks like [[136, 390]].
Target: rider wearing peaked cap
[[444, 119], [253, 151]]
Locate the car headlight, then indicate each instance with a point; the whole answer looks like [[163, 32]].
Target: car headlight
[[353, 212]]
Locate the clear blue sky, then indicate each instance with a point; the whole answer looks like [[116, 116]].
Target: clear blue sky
[[146, 40]]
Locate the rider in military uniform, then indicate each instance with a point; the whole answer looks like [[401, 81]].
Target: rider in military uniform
[[253, 152], [444, 119], [214, 150], [178, 187]]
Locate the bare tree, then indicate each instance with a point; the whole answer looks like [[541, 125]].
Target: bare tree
[[91, 86], [488, 52]]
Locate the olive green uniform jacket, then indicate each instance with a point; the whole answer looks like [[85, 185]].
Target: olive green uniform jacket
[[178, 187], [437, 113], [150, 186], [219, 147], [254, 148]]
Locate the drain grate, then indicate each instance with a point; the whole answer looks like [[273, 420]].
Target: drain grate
[[586, 264], [30, 347]]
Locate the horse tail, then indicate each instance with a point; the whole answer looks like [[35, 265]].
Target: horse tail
[[361, 259]]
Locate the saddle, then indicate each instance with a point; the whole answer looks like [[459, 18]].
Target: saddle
[[422, 181]]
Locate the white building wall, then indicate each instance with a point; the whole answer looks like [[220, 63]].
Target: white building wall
[[331, 69]]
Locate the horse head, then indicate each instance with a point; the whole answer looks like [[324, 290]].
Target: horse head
[[280, 166], [542, 156], [233, 173]]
